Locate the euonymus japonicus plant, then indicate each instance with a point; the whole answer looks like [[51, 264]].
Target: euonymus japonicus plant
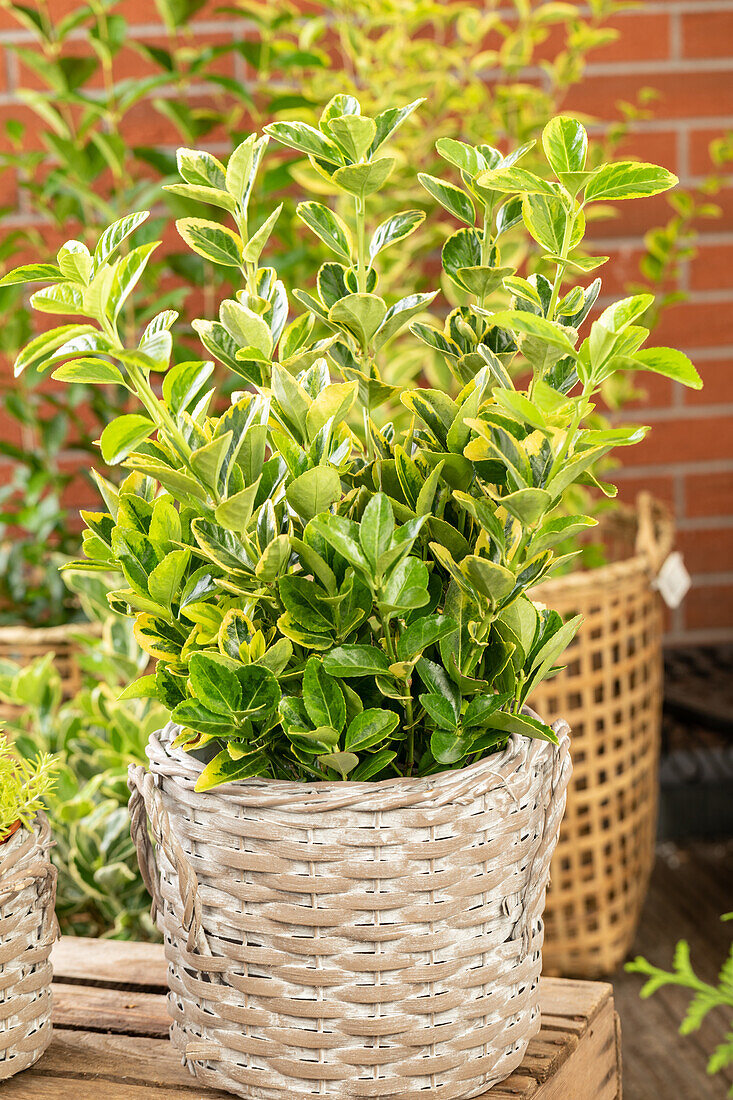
[[326, 595]]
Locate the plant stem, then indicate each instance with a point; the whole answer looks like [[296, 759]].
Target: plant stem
[[361, 270], [387, 637], [568, 445], [410, 730], [486, 242], [566, 239], [365, 413], [144, 391], [407, 696]]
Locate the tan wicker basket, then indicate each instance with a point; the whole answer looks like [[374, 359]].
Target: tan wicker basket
[[352, 939], [611, 694], [23, 644], [28, 930]]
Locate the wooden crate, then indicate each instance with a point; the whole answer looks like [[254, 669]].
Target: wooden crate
[[111, 1025]]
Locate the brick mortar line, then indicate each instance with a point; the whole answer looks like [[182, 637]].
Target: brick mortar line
[[668, 469], [641, 68], [662, 412], [706, 354], [676, 36], [615, 244], [698, 636], [673, 8], [23, 37], [675, 469], [594, 126], [689, 7], [655, 125], [658, 66], [701, 636], [703, 523], [717, 296]]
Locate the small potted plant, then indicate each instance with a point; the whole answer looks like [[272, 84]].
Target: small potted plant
[[353, 809], [27, 921]]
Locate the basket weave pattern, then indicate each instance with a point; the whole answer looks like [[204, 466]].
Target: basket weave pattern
[[27, 932], [353, 939], [24, 644], [611, 693]]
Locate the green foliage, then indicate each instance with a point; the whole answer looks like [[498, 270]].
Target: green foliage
[[34, 534], [328, 595], [95, 736], [83, 169], [25, 784], [705, 997]]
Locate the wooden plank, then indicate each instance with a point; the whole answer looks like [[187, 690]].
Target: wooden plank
[[119, 1059], [145, 1015], [515, 1087], [93, 1008], [24, 1087], [571, 998], [546, 1053], [592, 1072], [684, 901], [579, 1063], [121, 962], [137, 1061], [109, 962], [138, 1057]]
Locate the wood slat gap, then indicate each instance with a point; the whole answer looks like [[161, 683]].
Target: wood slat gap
[[118, 987]]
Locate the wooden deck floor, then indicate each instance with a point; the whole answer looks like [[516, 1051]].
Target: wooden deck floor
[[691, 886]]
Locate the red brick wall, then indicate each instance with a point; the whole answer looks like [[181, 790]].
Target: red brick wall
[[684, 50]]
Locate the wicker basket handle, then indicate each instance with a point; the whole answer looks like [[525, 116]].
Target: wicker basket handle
[[44, 874], [146, 803], [41, 873], [654, 538]]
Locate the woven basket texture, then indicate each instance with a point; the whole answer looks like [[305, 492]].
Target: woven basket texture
[[611, 694], [352, 939], [24, 644], [28, 930]]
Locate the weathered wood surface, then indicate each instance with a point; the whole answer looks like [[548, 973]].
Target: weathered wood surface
[[111, 1024], [691, 886]]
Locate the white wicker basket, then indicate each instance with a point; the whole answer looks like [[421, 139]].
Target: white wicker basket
[[353, 939], [28, 930]]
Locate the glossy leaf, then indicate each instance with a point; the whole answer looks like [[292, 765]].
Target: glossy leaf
[[628, 180], [314, 491], [566, 144], [92, 371], [451, 198], [369, 729], [123, 435], [394, 229], [214, 242], [356, 660], [361, 180], [214, 685], [322, 697], [328, 226]]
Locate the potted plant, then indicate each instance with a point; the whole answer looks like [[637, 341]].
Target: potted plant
[[27, 922], [353, 809], [610, 690], [95, 736]]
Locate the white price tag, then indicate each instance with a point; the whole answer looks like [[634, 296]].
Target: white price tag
[[673, 581]]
